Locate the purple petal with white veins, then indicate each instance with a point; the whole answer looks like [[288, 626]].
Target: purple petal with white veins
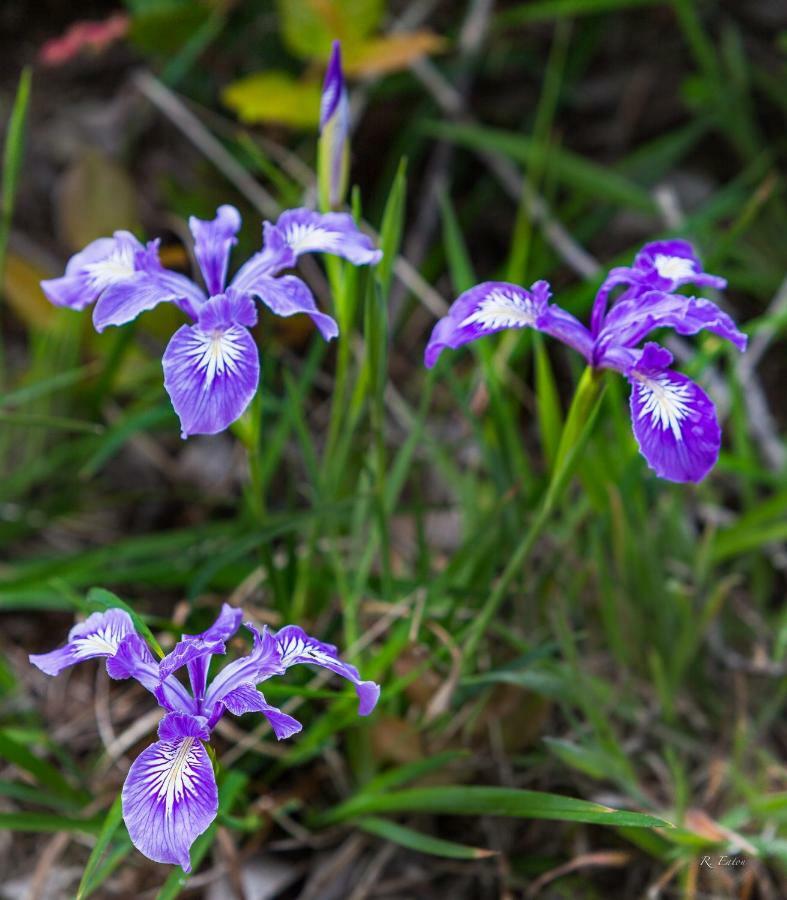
[[630, 321], [99, 635], [90, 272], [674, 420], [666, 265], [497, 306], [307, 231], [287, 295], [296, 647], [275, 256], [660, 265], [211, 370], [263, 662], [169, 797], [246, 698], [150, 285], [213, 241]]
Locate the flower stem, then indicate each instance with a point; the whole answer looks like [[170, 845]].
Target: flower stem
[[579, 424]]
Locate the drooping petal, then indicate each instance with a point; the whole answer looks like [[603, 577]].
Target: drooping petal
[[263, 662], [333, 152], [169, 797], [213, 241], [496, 306], [99, 635], [246, 698], [133, 659], [211, 369], [630, 321], [674, 420], [307, 231], [287, 295], [296, 646], [150, 285], [90, 272], [275, 256]]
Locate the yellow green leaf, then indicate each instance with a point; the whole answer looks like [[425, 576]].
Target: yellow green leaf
[[310, 26], [274, 97]]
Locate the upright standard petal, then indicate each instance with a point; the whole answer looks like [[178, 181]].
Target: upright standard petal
[[298, 647], [263, 662], [246, 698], [170, 796], [496, 306], [631, 321], [307, 231], [133, 659], [90, 272], [674, 420], [148, 286], [213, 241], [333, 154], [287, 295], [275, 256], [99, 635], [226, 624], [211, 369]]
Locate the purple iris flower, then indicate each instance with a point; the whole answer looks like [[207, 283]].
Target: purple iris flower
[[211, 367], [673, 419], [334, 128], [170, 797]]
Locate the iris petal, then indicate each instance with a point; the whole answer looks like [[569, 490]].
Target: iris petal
[[211, 369], [169, 797]]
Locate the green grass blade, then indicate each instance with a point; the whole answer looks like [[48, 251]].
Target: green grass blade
[[473, 800], [417, 840], [13, 152], [112, 821]]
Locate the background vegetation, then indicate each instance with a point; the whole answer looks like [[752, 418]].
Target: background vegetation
[[636, 659]]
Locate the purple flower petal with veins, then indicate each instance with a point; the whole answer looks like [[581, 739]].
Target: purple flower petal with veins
[[307, 231], [213, 241], [246, 698], [289, 295], [673, 420], [170, 796], [99, 635], [297, 647], [498, 306], [211, 369], [149, 285], [659, 266], [90, 272]]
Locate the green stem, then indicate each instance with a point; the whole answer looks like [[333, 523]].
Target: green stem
[[579, 424]]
